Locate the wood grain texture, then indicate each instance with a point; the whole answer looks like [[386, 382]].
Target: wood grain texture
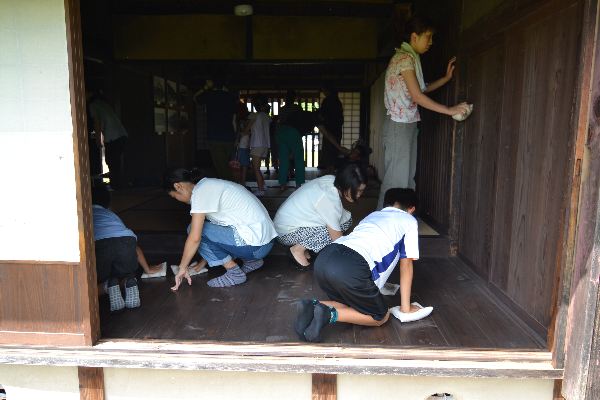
[[517, 150], [38, 303], [86, 299], [263, 357], [582, 326], [324, 387], [91, 383]]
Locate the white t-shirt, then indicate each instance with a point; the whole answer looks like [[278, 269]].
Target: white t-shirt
[[317, 203], [259, 133], [383, 238], [244, 141], [111, 125], [229, 204]]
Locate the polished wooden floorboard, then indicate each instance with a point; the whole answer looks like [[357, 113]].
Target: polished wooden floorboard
[[263, 310]]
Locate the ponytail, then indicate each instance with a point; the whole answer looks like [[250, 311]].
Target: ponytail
[[182, 175]]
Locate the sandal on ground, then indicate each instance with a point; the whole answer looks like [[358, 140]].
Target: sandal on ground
[[296, 263], [421, 313]]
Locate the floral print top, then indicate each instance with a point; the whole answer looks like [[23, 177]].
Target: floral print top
[[398, 103]]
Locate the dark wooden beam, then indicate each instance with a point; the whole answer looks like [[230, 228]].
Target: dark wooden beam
[[364, 9], [91, 383], [324, 387]]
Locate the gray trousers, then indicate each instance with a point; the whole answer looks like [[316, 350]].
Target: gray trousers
[[400, 156]]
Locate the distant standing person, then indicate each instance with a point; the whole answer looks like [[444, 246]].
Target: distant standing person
[[260, 140], [111, 133], [289, 140], [221, 107], [405, 89], [332, 116]]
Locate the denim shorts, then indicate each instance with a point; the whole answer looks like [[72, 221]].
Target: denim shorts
[[244, 157]]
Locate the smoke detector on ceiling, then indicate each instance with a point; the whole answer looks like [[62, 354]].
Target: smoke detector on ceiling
[[243, 10]]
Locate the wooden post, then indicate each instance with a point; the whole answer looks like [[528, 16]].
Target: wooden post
[[91, 383], [583, 322], [324, 387]]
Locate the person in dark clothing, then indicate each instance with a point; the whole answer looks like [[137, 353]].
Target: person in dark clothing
[[332, 119], [289, 140], [111, 134], [221, 105]]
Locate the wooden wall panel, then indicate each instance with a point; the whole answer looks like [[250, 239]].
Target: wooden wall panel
[[516, 153], [480, 147], [39, 303], [544, 147], [434, 170]]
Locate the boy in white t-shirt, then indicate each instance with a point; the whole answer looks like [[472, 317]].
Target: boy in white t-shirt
[[352, 269]]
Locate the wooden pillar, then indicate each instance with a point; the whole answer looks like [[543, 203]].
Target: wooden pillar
[[91, 383], [324, 387], [582, 356]]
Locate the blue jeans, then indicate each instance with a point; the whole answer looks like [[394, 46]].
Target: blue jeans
[[218, 246]]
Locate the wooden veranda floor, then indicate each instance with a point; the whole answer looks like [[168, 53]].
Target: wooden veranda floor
[[466, 314]]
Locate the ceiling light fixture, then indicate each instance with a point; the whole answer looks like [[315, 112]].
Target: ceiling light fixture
[[243, 10]]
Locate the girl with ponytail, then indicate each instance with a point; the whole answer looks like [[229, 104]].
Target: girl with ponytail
[[228, 222]]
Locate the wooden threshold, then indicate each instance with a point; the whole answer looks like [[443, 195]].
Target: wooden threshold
[[292, 358]]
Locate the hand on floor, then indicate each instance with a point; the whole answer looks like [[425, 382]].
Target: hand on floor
[[183, 273]]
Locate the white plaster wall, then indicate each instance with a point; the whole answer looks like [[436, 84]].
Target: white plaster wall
[[50, 383], [39, 382], [38, 208], [133, 384], [353, 387]]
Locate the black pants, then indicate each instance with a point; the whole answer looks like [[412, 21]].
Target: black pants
[[345, 276], [116, 258], [113, 151]]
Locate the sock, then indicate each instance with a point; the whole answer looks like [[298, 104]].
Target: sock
[[304, 317], [232, 277], [322, 316], [114, 295], [251, 265], [132, 294]]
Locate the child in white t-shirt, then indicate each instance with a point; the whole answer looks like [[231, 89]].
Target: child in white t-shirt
[[228, 223], [352, 269], [314, 216], [260, 141]]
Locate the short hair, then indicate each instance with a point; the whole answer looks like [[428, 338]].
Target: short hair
[[350, 177], [407, 198], [419, 25], [178, 175], [100, 195]]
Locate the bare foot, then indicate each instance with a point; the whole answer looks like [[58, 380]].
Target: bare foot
[[298, 252], [307, 254], [201, 264]]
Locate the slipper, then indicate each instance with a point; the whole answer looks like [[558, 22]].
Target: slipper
[[191, 270], [410, 317], [297, 265], [159, 274]]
